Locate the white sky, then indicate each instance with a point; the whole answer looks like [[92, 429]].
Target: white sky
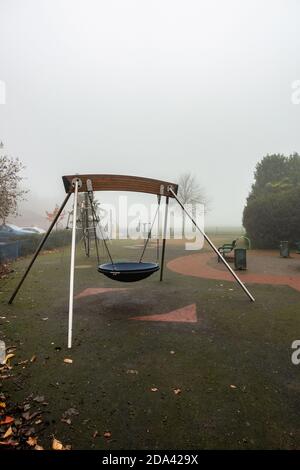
[[152, 88]]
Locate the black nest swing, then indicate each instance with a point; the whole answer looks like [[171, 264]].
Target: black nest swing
[[126, 271]]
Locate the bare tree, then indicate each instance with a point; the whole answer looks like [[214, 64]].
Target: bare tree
[[190, 192], [11, 192]]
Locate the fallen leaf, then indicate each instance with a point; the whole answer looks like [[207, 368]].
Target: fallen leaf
[[8, 357], [154, 389], [172, 352], [32, 441], [68, 361], [11, 349], [8, 433], [107, 434], [57, 445], [39, 421], [22, 362], [7, 420], [33, 358], [28, 416], [132, 371], [10, 442], [37, 447], [177, 391], [66, 420], [95, 434], [45, 318], [39, 399], [70, 412], [233, 386], [2, 404]]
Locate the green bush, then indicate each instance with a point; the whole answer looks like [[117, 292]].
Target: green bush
[[273, 217], [272, 211]]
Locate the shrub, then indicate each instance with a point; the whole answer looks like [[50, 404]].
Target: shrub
[[272, 211]]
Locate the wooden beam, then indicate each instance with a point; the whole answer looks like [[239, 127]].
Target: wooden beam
[[121, 183]]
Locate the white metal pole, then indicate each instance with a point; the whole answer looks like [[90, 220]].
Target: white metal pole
[[214, 248], [72, 266]]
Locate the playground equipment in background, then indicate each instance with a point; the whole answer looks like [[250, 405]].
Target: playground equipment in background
[[129, 271]]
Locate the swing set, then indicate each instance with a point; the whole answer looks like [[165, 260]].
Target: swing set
[[118, 271]]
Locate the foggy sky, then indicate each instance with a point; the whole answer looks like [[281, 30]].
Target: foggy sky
[[150, 88]]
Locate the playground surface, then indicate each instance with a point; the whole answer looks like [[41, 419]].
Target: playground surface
[[188, 363], [263, 267]]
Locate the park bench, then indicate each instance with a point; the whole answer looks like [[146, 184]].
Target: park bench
[[226, 248]]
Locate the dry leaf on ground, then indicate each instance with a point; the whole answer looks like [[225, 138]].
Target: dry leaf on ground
[[66, 420], [7, 420], [32, 441], [39, 398], [57, 445], [8, 433], [10, 442], [8, 357]]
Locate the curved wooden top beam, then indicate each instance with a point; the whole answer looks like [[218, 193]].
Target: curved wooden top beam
[[121, 183]]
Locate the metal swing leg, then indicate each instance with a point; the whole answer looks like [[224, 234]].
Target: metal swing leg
[[39, 248], [242, 285], [72, 266], [164, 240]]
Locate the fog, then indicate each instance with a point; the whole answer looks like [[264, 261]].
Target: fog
[[153, 89]]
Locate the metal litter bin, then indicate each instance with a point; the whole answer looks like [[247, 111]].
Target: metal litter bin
[[240, 258], [284, 249]]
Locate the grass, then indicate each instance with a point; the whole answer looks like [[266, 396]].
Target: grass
[[239, 389]]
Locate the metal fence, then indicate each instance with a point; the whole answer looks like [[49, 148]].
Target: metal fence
[[9, 251]]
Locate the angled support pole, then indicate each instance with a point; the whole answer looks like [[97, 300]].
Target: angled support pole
[[164, 240], [242, 285], [158, 227], [76, 184], [42, 242]]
